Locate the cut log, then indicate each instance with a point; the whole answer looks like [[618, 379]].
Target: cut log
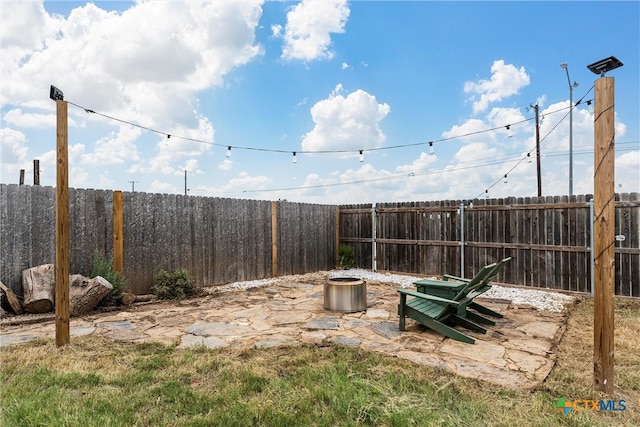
[[128, 299], [39, 285], [9, 299], [86, 293]]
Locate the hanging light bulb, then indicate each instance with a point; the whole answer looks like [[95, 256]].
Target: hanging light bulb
[[509, 133], [295, 159], [590, 105], [361, 156], [229, 151], [505, 178], [431, 149], [529, 157]]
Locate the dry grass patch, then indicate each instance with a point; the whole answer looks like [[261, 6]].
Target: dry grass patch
[[97, 382]]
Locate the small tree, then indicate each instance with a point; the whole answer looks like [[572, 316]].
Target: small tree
[[104, 267]]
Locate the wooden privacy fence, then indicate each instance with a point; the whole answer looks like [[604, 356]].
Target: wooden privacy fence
[[549, 239], [218, 240]]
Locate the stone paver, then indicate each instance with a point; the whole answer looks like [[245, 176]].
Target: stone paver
[[518, 352]]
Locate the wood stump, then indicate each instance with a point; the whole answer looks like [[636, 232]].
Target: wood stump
[[86, 293], [39, 285], [9, 300]]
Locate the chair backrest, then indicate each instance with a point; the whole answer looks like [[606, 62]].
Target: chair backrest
[[475, 282], [496, 270]]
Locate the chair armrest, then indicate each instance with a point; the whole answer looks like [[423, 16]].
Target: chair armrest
[[459, 279], [428, 297]]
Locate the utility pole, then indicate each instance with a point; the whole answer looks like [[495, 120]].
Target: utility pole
[[133, 185], [536, 108]]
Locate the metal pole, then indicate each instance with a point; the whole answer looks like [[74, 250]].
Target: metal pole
[[374, 265], [462, 240], [570, 136], [571, 86]]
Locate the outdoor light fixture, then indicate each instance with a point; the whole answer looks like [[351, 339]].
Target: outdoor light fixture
[[571, 87], [229, 151], [431, 150], [361, 156], [55, 94], [295, 159], [604, 65]]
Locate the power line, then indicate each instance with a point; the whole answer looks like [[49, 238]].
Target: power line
[[469, 165]]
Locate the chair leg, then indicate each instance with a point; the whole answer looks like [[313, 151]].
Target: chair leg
[[477, 318], [468, 324], [484, 310], [448, 331], [401, 312]]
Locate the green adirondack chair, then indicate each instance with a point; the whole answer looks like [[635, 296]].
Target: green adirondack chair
[[436, 312], [450, 289]]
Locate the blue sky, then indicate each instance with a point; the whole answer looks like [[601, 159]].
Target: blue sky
[[322, 79]]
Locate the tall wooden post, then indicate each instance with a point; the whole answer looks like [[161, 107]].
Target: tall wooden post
[[36, 172], [118, 233], [604, 245], [62, 226]]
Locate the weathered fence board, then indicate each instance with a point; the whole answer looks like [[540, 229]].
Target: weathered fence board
[[218, 240], [548, 237], [225, 240]]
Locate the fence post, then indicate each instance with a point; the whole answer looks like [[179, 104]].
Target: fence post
[[118, 233], [274, 238], [462, 240], [374, 263], [337, 254]]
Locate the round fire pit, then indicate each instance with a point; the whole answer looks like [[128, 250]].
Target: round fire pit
[[345, 294]]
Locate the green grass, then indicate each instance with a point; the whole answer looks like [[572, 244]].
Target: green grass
[[96, 382]]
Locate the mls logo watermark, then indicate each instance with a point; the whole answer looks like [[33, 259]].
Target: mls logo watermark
[[567, 406]]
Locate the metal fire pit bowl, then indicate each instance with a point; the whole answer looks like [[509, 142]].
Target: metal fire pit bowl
[[345, 294]]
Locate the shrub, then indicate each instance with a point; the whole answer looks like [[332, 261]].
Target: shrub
[[345, 257], [104, 267], [176, 285]]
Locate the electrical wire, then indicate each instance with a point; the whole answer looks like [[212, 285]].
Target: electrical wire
[[273, 150]]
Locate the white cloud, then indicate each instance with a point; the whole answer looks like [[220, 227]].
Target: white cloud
[[167, 52], [471, 127], [309, 26], [346, 123], [225, 165], [21, 119], [276, 31], [14, 144], [506, 80], [158, 186], [118, 147], [420, 164]]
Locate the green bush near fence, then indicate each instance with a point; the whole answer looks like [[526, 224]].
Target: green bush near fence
[[345, 257], [176, 285], [104, 267]]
